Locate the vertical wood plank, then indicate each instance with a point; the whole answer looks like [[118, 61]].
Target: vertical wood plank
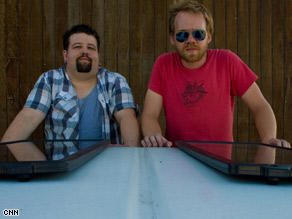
[[3, 115], [278, 13], [12, 66], [98, 23], [219, 30], [288, 72], [86, 11], [231, 25], [37, 39], [111, 35], [25, 50], [61, 27], [147, 38], [123, 39], [49, 33], [3, 62], [161, 27], [136, 80], [73, 12], [147, 44], [243, 51]]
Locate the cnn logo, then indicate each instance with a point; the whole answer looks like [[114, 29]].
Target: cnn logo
[[11, 212]]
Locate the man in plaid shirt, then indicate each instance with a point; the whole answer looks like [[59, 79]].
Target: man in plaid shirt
[[78, 101]]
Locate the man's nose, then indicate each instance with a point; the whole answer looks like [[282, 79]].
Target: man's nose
[[84, 50], [191, 38]]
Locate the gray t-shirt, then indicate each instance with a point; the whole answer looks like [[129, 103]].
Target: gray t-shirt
[[91, 118]]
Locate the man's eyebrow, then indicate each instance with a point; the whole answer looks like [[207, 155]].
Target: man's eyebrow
[[78, 43], [92, 44], [73, 44], [192, 29]]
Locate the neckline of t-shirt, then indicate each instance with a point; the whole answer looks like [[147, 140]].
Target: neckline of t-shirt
[[94, 89]]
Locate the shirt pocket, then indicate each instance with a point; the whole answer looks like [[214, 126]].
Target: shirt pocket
[[65, 110]]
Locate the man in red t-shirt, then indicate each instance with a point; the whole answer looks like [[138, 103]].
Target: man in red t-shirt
[[196, 86]]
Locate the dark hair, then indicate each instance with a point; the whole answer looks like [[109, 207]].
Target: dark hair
[[79, 28]]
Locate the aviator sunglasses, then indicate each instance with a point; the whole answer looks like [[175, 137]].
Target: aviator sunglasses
[[182, 36]]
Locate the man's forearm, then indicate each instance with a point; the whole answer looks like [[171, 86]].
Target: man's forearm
[[266, 123], [150, 126], [26, 151], [21, 128], [130, 131]]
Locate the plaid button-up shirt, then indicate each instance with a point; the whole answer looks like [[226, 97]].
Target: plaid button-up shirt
[[54, 95]]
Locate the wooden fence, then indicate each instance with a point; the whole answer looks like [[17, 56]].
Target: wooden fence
[[133, 34]]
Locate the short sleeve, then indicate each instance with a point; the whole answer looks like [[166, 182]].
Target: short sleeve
[[155, 83], [122, 96], [242, 77], [40, 96]]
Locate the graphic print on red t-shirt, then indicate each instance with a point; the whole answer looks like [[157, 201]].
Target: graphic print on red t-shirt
[[193, 93]]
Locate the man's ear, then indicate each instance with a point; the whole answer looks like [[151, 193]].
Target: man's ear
[[209, 37], [65, 52], [171, 38]]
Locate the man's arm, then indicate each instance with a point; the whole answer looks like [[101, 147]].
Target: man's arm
[[26, 121], [264, 116], [129, 126], [265, 122], [150, 124]]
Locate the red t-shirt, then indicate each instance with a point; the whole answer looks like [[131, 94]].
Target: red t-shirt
[[198, 103]]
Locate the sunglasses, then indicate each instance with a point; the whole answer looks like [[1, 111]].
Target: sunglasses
[[184, 35]]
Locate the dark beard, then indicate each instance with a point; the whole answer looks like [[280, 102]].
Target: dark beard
[[83, 67]]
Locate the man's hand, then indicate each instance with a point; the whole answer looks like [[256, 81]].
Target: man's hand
[[279, 142], [267, 155], [156, 140]]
